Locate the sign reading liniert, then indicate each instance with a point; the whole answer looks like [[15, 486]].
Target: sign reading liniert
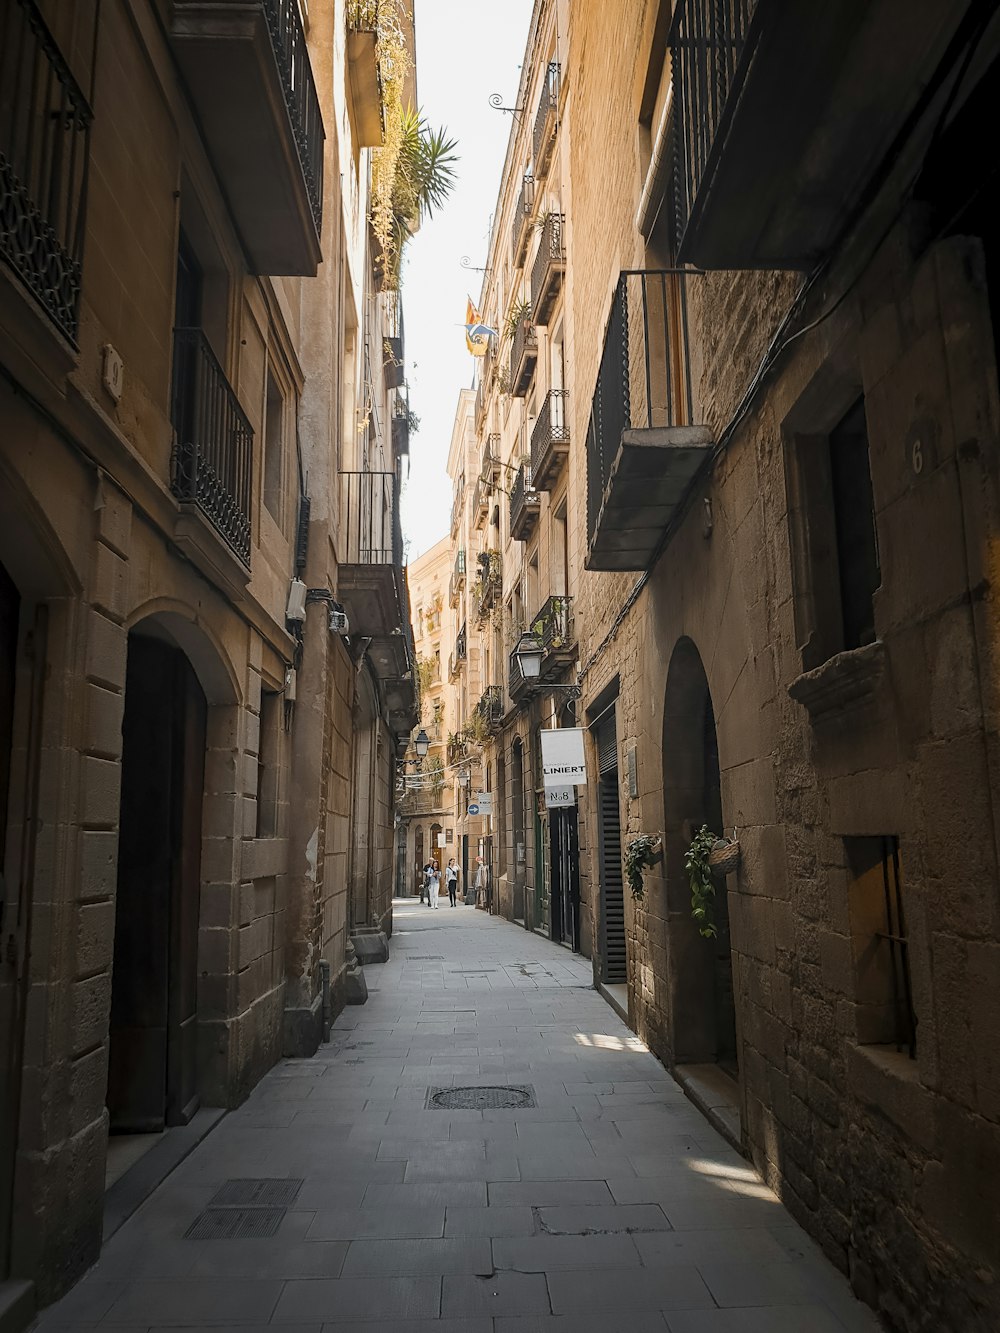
[[563, 762]]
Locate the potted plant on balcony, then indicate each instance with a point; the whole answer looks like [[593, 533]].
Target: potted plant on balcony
[[519, 312]]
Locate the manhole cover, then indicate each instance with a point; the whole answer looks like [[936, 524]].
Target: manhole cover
[[258, 1192], [235, 1223], [507, 1098]]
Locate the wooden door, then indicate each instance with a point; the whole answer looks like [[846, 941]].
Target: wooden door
[[10, 1008]]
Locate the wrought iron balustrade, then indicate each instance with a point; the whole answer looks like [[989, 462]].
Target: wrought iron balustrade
[[522, 216], [707, 42], [212, 464], [523, 355], [371, 531], [301, 100], [491, 456], [549, 266], [550, 437], [45, 124], [401, 426], [643, 381], [524, 505], [490, 706], [544, 133], [554, 625]]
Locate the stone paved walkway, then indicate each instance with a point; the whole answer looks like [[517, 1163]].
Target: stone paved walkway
[[611, 1207]]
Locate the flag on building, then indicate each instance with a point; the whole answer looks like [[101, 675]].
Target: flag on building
[[477, 334]]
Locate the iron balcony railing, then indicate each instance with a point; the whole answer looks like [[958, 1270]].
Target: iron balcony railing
[[524, 503], [550, 262], [401, 426], [459, 572], [489, 584], [551, 429], [708, 41], [301, 100], [544, 134], [212, 464], [523, 355], [522, 216], [44, 161], [462, 645], [370, 520], [643, 382], [491, 456], [490, 706], [553, 625]]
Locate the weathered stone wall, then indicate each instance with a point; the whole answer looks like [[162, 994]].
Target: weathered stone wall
[[891, 1163]]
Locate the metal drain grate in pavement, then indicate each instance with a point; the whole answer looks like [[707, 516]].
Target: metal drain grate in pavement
[[510, 1097], [235, 1224], [257, 1192]]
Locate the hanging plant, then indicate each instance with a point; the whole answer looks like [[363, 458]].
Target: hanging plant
[[640, 852], [519, 312], [696, 863]]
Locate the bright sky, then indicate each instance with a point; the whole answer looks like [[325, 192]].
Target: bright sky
[[464, 53]]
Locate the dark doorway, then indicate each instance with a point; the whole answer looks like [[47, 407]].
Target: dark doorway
[[565, 854], [614, 962], [152, 1068], [11, 1008], [419, 858], [703, 1012], [517, 829]]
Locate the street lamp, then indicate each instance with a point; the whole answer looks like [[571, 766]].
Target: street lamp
[[421, 743], [529, 656]]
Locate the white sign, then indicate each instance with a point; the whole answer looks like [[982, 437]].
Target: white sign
[[441, 841], [556, 797], [563, 761], [484, 799]]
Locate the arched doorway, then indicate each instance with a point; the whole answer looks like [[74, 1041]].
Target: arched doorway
[[153, 1056], [700, 971]]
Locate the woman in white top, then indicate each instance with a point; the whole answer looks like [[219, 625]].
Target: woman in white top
[[433, 884], [451, 875]]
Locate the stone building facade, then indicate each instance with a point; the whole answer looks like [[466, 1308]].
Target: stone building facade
[[781, 494], [196, 753]]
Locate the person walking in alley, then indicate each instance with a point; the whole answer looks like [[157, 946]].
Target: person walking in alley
[[425, 882], [451, 875], [479, 883], [433, 884]]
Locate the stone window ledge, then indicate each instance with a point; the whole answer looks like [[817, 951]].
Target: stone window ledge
[[888, 1081], [846, 681]]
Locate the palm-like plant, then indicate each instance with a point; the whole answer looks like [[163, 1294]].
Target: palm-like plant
[[423, 179]]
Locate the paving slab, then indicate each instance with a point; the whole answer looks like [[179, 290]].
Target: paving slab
[[611, 1206]]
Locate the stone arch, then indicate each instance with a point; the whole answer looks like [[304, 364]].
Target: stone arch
[[702, 1008], [177, 894]]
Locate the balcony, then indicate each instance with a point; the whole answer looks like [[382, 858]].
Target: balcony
[[364, 73], [248, 72], [371, 577], [481, 497], [642, 454], [401, 427], [525, 504], [44, 160], [458, 750], [490, 708], [849, 76], [523, 355], [212, 460], [554, 627], [489, 584], [550, 440], [491, 458], [401, 692], [520, 228], [459, 656], [546, 120], [548, 268], [457, 581]]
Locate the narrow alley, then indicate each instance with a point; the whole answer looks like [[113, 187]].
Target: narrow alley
[[592, 1196]]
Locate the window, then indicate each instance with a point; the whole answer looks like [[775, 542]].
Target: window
[[834, 545], [879, 944], [274, 449]]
